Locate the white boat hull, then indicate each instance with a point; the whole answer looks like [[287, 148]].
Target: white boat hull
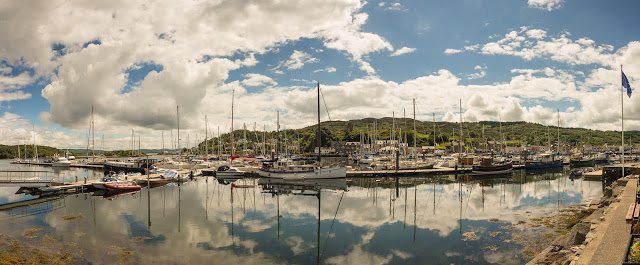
[[318, 173], [229, 174]]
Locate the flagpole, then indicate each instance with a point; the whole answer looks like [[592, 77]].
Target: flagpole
[[622, 111]]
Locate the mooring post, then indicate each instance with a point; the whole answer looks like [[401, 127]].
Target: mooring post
[[85, 180], [76, 178]]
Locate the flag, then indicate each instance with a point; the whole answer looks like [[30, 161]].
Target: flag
[[625, 84]]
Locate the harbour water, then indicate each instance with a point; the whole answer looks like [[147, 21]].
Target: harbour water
[[427, 220]]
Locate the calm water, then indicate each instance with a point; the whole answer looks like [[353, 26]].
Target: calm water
[[433, 220]]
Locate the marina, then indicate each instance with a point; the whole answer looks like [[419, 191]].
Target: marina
[[416, 209], [320, 132]]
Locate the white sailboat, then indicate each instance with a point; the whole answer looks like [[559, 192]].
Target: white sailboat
[[228, 171], [289, 170]]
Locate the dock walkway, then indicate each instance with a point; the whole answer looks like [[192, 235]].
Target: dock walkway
[[612, 234], [83, 186]]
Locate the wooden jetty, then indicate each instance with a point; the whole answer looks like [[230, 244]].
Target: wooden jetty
[[82, 186], [613, 172], [28, 178], [595, 175], [79, 165], [49, 186]]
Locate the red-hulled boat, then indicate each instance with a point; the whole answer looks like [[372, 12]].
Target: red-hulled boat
[[122, 186]]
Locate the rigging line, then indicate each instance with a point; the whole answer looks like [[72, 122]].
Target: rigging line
[[325, 104], [329, 232]]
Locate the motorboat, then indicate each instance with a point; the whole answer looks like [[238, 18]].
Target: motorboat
[[173, 175], [107, 179], [544, 161], [122, 186], [228, 171], [61, 162], [152, 182]]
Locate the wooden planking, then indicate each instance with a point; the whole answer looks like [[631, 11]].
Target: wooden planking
[[629, 216], [636, 212]]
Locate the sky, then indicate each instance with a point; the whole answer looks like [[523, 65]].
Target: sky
[[136, 62]]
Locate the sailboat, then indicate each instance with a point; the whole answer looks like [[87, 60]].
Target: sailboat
[[286, 169], [228, 171]]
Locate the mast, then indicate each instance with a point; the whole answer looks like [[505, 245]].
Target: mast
[[404, 116], [434, 131], [233, 94], [318, 135], [622, 117], [277, 131], [206, 136], [178, 141], [35, 147], [501, 136], [460, 142], [392, 137], [132, 147], [93, 137], [558, 145], [244, 143], [549, 136], [162, 142], [415, 155]]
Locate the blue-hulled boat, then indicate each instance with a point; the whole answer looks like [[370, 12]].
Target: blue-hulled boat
[[544, 161]]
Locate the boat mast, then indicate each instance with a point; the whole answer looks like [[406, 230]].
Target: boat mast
[[244, 143], [434, 131], [93, 137], [460, 142], [404, 116], [35, 153], [501, 136], [178, 140], [318, 134], [558, 147], [132, 147], [206, 136], [393, 132], [415, 155], [233, 94], [277, 132]]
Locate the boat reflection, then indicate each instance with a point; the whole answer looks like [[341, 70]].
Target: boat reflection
[[305, 187], [111, 195]]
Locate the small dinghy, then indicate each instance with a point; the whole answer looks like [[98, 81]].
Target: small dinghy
[[122, 186]]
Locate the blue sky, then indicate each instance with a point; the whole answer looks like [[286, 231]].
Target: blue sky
[[509, 60]]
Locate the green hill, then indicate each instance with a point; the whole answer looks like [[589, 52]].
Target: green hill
[[11, 151], [514, 133]]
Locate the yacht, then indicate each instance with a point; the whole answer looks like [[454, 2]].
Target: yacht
[[61, 162]]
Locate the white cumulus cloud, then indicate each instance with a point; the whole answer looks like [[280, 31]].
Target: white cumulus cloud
[[545, 4], [403, 50]]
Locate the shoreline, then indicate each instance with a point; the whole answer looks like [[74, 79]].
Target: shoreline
[[579, 244]]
